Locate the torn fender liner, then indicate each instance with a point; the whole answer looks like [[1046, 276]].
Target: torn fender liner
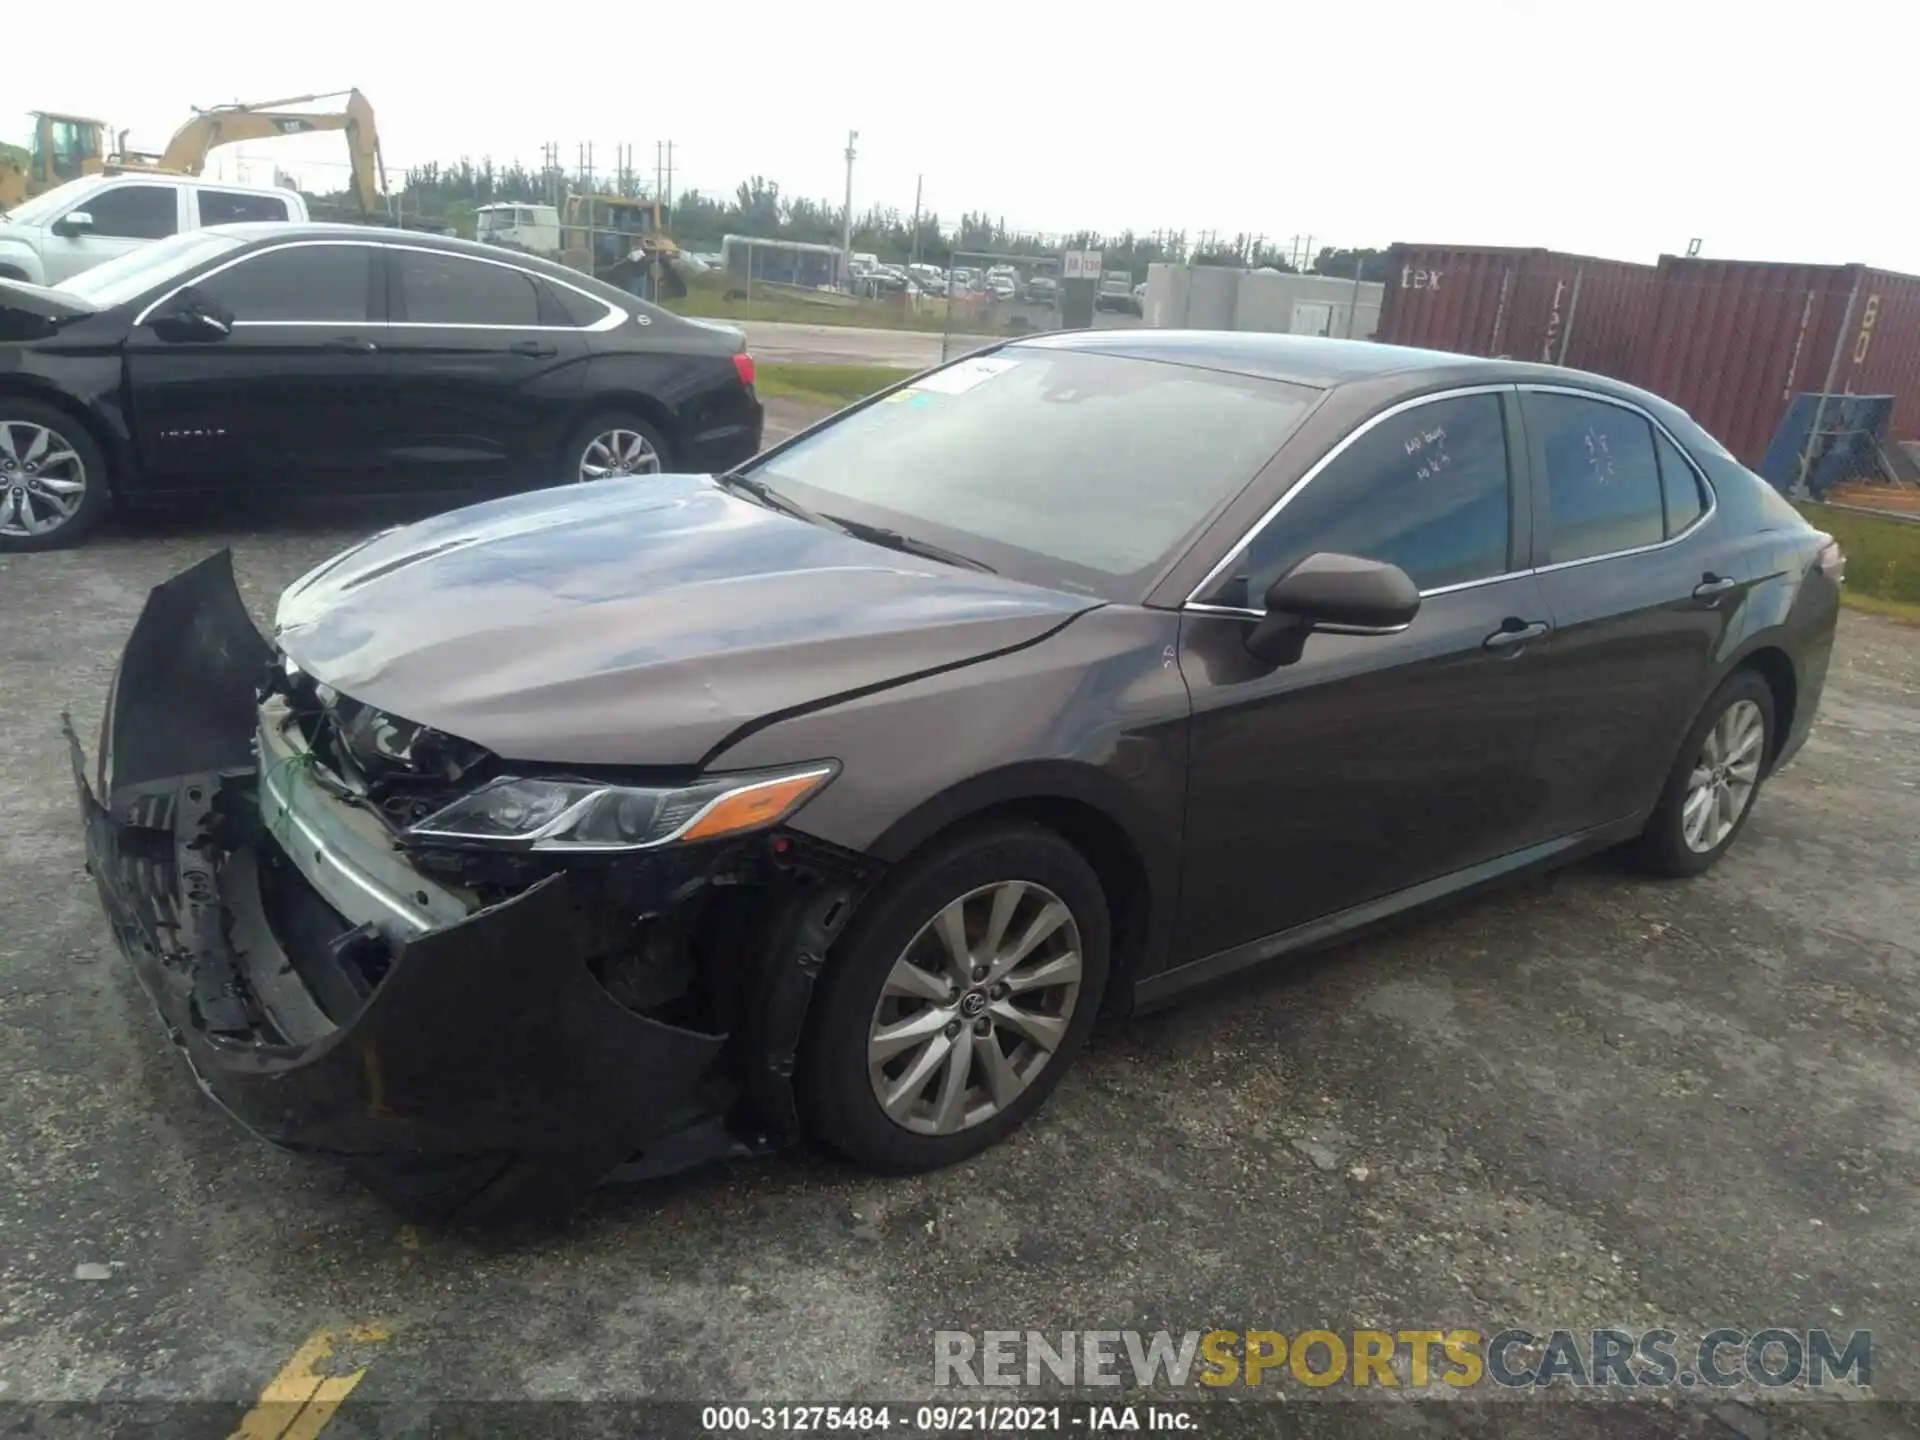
[[183, 698]]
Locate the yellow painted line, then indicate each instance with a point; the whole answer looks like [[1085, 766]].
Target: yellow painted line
[[297, 1403]]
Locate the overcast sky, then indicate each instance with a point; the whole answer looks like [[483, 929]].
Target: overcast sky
[[1619, 129]]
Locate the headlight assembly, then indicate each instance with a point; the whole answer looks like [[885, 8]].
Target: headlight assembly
[[582, 815]]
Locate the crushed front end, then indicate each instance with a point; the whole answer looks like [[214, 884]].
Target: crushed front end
[[479, 1029]]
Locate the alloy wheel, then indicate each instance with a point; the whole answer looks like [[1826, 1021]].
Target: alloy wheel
[[42, 479], [1724, 776], [974, 1008], [618, 452]]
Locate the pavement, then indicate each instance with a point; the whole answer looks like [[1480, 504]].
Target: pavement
[[1587, 1100]]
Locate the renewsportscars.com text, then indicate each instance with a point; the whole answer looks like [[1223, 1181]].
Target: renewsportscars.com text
[[1722, 1358]]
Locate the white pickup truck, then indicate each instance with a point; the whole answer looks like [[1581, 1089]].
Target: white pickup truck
[[75, 226]]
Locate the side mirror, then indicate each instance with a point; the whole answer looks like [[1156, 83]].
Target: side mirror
[[1340, 593], [74, 222], [191, 320]]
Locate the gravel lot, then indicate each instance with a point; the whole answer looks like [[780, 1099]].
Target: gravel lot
[[1589, 1100]]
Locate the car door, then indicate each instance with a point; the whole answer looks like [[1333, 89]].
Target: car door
[[485, 368], [293, 396], [1640, 593], [1375, 761], [107, 222]]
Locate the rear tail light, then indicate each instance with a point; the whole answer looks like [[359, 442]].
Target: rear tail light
[[743, 367], [1833, 561]]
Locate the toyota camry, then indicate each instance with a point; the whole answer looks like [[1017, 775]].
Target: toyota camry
[[607, 829]]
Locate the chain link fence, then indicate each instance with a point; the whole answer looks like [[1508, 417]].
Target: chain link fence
[[992, 296]]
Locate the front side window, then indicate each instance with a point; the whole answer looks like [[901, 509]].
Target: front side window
[[133, 212], [1425, 489], [127, 277], [230, 207], [1064, 466], [439, 289], [1602, 481], [296, 282]]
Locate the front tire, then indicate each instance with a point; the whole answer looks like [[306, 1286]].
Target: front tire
[[53, 477], [1714, 782], [955, 1003]]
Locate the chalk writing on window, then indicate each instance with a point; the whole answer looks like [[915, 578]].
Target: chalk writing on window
[[1429, 448], [1599, 455]]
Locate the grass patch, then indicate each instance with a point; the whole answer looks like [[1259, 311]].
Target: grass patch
[[713, 297], [835, 385], [1890, 609], [1883, 556]]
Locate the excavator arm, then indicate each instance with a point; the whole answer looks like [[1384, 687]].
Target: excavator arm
[[186, 152]]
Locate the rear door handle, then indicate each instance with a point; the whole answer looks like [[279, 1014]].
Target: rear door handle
[[1515, 633], [351, 345], [538, 349], [1713, 585]]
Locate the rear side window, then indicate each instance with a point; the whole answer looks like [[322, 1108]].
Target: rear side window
[[581, 310], [437, 289], [1425, 490], [133, 212], [1602, 481], [228, 207], [296, 282], [1681, 486]]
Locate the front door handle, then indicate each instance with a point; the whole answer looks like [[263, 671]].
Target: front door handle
[[1515, 632], [538, 349], [1712, 585], [351, 345]]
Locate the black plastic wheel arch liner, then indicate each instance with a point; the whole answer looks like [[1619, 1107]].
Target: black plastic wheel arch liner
[[487, 1037], [184, 696]]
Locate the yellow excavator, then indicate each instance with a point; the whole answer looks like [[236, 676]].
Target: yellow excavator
[[67, 146], [623, 240]]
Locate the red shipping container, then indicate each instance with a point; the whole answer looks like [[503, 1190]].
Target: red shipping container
[[1733, 341], [1530, 304]]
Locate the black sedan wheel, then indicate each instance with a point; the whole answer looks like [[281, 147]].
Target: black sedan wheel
[[614, 445], [1715, 780], [53, 478], [957, 1001]]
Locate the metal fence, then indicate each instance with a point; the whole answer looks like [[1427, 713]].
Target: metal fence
[[991, 297]]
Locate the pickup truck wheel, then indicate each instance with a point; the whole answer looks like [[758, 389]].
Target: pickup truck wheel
[[53, 477]]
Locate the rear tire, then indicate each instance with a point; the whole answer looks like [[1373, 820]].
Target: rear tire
[[1010, 882], [1733, 740], [618, 443], [53, 477]]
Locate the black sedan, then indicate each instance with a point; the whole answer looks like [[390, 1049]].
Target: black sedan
[[616, 827], [344, 360]]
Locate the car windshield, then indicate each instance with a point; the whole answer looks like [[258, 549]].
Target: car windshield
[[125, 277], [43, 208], [1070, 468]]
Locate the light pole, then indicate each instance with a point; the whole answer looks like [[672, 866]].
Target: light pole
[[846, 220]]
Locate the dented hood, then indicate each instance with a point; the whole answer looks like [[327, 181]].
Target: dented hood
[[635, 622]]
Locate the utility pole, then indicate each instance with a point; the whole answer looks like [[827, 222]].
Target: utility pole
[[667, 194], [846, 218], [658, 146], [914, 252]]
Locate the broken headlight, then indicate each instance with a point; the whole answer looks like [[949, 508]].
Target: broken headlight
[[584, 815]]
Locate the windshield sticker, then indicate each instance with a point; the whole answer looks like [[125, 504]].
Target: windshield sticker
[[958, 379]]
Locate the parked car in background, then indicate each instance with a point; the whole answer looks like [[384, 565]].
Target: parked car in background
[[644, 823], [344, 360], [85, 222], [1115, 293], [1001, 287], [1140, 298], [1043, 290]]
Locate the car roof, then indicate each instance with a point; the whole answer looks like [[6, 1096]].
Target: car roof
[[1324, 363]]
